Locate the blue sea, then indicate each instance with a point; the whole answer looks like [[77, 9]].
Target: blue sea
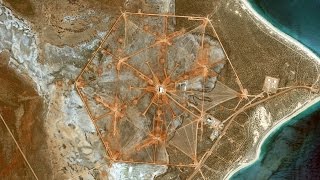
[[298, 18], [293, 151]]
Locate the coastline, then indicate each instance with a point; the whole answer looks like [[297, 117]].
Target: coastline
[[297, 46], [245, 4], [266, 136]]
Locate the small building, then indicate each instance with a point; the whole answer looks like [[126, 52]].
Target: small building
[[270, 84], [213, 122], [214, 135]]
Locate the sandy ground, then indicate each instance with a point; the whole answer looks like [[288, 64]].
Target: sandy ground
[[274, 128], [299, 47], [52, 62]]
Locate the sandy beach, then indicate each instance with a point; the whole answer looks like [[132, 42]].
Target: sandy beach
[[276, 126], [52, 46], [296, 46], [281, 35]]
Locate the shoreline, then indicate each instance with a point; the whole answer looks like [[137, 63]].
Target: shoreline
[[298, 45], [245, 4], [281, 122]]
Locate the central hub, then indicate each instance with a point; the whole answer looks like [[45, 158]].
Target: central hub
[[139, 87], [161, 89]]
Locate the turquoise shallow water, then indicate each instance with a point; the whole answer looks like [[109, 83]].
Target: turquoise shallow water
[[293, 150], [298, 18]]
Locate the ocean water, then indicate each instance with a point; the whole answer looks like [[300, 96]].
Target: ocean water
[[293, 150], [298, 18]]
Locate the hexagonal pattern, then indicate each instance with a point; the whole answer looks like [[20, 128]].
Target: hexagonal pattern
[[148, 86]]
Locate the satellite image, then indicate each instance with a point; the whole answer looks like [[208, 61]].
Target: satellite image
[[159, 89]]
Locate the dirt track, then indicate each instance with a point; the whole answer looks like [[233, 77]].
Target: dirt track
[[22, 110]]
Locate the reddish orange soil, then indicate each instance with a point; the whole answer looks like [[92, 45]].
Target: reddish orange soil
[[22, 110]]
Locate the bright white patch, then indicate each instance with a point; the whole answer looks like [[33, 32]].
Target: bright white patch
[[262, 117], [161, 89], [135, 171], [17, 37], [255, 136], [298, 105], [66, 121]]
